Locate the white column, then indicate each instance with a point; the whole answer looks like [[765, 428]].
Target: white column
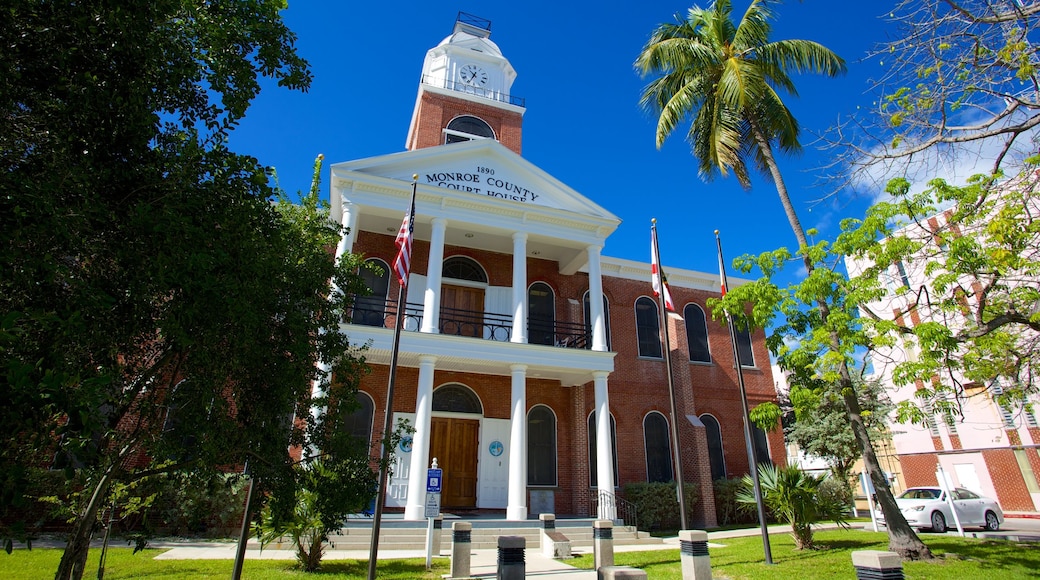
[[350, 219], [346, 242], [432, 297], [604, 449], [415, 507], [599, 327], [519, 288], [516, 509]]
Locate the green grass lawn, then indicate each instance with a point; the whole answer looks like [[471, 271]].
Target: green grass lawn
[[122, 563], [741, 558]]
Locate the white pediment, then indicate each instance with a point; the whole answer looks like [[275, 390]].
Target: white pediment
[[483, 168]]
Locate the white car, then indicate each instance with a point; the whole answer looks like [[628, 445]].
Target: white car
[[926, 507]]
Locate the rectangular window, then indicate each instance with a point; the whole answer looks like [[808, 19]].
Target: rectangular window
[[929, 420], [744, 350], [903, 278], [1027, 470]]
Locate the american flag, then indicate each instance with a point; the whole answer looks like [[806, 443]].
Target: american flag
[[403, 261], [656, 277]]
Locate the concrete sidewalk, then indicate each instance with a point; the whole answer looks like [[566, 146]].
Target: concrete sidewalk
[[483, 563]]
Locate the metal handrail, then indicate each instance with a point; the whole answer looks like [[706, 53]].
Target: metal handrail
[[472, 90], [624, 510], [372, 311]]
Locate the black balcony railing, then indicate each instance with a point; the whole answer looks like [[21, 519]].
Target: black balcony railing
[[472, 90], [371, 311]]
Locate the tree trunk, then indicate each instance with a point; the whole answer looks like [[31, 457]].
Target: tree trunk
[[901, 537], [74, 558]]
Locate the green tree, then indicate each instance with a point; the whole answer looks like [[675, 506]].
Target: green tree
[[794, 497], [959, 85], [821, 425], [157, 311], [979, 329], [727, 77]]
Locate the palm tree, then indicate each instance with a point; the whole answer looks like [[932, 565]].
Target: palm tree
[[727, 78], [794, 497]]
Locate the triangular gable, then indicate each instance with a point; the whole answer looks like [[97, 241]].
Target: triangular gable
[[483, 167]]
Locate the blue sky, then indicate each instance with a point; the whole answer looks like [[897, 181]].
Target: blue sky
[[583, 123]]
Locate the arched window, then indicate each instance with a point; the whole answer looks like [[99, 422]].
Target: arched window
[[747, 356], [187, 410], [593, 462], [696, 333], [541, 446], [457, 399], [359, 422], [648, 328], [467, 128], [717, 458], [658, 447], [370, 310], [761, 445], [541, 314], [463, 268], [588, 319]]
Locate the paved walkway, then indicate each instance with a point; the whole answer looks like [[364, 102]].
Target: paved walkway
[[483, 563]]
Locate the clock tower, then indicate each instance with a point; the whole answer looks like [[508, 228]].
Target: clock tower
[[464, 91]]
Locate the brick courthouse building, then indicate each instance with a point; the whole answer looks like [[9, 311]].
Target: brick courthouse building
[[518, 334]]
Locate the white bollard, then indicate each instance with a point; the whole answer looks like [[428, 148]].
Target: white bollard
[[461, 547], [693, 553]]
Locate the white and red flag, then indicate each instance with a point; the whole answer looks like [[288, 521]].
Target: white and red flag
[[657, 278], [403, 261], [722, 265]]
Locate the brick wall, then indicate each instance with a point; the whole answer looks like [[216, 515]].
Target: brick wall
[[1007, 480], [436, 111], [919, 469], [636, 387]]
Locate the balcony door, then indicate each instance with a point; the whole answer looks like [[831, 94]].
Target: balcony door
[[462, 310]]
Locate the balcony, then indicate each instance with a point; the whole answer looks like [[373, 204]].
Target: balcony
[[369, 311], [448, 84]]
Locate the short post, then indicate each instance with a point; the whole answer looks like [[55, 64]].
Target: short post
[[877, 565], [438, 527], [511, 565], [693, 553], [461, 542], [603, 543], [548, 525]]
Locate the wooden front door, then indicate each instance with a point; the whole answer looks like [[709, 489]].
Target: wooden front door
[[454, 443], [462, 310]]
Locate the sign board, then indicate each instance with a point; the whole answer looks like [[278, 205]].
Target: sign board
[[433, 480], [433, 505]]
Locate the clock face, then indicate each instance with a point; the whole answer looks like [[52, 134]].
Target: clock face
[[473, 75]]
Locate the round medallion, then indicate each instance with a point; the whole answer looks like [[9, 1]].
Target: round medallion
[[406, 444], [496, 448]]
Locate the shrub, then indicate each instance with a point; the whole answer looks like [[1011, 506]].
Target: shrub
[[835, 491], [727, 510], [794, 497], [657, 506]]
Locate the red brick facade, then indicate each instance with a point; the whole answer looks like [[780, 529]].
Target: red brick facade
[[637, 386], [436, 111]]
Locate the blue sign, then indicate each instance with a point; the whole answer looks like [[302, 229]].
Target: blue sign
[[496, 448], [433, 480]]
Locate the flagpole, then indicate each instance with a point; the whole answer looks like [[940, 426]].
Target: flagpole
[[748, 440], [388, 419], [663, 321]]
